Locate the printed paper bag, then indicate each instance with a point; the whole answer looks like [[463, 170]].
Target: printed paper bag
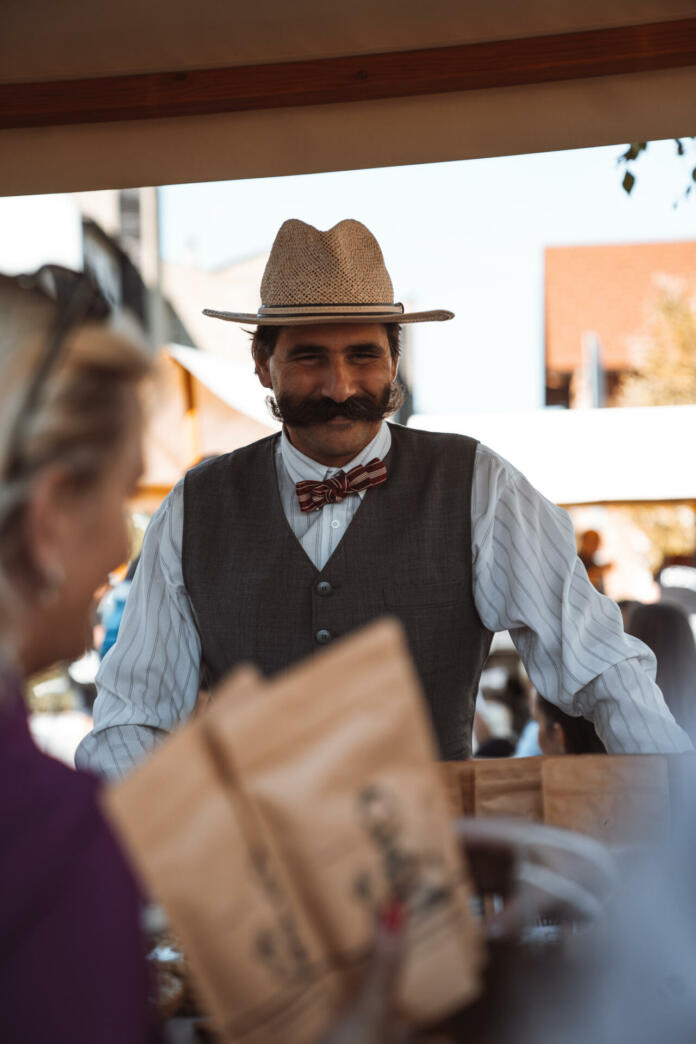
[[247, 938], [458, 780], [338, 757], [620, 798]]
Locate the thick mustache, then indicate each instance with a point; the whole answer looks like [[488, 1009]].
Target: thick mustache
[[300, 412]]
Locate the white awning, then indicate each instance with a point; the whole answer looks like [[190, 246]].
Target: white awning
[[233, 383], [590, 456]]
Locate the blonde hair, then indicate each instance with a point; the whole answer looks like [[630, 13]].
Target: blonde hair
[[77, 422]]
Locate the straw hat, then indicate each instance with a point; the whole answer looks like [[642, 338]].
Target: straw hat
[[336, 276]]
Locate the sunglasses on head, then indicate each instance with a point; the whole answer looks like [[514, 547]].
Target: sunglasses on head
[[79, 299]]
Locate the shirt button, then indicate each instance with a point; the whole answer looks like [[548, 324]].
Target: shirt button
[[323, 636], [324, 588], [335, 524]]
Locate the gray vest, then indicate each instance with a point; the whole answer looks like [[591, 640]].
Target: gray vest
[[407, 552]]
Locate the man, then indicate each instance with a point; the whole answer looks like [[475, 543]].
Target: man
[[269, 553]]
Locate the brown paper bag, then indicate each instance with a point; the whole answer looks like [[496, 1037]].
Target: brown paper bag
[[458, 781], [339, 760], [253, 953], [275, 826], [508, 787], [620, 798], [495, 787]]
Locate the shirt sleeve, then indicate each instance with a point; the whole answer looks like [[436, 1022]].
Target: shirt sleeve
[[148, 682], [529, 580]]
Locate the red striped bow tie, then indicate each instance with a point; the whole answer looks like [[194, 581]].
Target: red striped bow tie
[[314, 495]]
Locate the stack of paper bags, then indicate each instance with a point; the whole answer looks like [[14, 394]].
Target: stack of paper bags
[[495, 787], [621, 798], [276, 826]]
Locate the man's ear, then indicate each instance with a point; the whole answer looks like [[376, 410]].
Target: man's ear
[[262, 366]]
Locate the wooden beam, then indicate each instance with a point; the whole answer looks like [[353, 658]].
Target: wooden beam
[[467, 67]]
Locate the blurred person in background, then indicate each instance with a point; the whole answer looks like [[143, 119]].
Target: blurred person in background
[[515, 696], [528, 740], [666, 630], [497, 747], [528, 743], [590, 543], [559, 733], [502, 714], [111, 608]]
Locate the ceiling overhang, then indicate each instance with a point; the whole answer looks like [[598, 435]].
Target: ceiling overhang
[[352, 78], [138, 94]]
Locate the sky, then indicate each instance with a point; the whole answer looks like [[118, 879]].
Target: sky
[[468, 236]]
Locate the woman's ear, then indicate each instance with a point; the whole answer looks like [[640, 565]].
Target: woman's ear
[[47, 527]]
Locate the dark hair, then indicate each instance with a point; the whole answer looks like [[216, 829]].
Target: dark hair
[[579, 733], [666, 630], [265, 338], [496, 747], [516, 698]]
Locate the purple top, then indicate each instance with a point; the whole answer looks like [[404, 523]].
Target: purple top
[[72, 959]]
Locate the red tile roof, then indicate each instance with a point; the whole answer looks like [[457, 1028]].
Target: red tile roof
[[608, 290]]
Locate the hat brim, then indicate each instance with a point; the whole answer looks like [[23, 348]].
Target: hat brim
[[253, 319]]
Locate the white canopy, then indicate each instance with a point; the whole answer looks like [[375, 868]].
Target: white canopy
[[232, 382], [590, 456]]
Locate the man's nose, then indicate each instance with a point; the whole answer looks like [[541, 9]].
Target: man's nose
[[339, 383]]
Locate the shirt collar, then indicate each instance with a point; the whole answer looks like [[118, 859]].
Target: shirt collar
[[300, 467]]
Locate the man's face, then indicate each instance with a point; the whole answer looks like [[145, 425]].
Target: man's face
[[331, 383]]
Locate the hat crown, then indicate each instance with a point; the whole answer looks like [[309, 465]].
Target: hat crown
[[343, 265]]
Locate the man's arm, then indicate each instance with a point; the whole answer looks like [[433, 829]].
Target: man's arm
[[528, 580], [148, 681]]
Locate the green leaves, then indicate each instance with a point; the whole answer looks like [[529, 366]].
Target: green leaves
[[634, 150], [632, 153]]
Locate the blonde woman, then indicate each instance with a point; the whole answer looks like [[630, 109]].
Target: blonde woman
[[72, 962]]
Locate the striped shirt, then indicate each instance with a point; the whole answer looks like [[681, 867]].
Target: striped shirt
[[527, 579]]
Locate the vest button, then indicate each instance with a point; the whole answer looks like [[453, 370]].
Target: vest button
[[324, 588], [323, 636]]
